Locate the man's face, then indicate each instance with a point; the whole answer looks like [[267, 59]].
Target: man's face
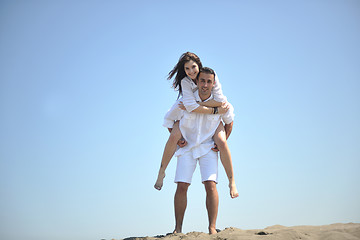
[[205, 84]]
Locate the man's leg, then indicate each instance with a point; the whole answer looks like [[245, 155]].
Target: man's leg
[[180, 202], [212, 204], [225, 156]]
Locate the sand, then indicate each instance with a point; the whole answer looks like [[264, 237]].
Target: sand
[[338, 231]]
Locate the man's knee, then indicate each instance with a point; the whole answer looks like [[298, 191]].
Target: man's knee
[[210, 186], [182, 187]]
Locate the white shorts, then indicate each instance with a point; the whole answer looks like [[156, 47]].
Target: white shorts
[[186, 165]]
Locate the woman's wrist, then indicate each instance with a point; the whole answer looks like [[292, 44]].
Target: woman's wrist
[[216, 110]]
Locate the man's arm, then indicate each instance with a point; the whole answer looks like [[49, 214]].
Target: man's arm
[[228, 129]]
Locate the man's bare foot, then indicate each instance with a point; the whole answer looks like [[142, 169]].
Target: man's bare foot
[[233, 191], [212, 230], [160, 180]]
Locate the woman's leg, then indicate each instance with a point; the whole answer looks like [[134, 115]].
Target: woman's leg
[[169, 151], [225, 156]]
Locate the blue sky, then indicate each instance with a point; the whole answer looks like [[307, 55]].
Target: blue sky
[[83, 92]]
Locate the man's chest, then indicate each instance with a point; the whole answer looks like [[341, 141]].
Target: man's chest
[[199, 124]]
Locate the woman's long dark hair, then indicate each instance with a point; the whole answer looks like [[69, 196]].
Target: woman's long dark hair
[[180, 71]]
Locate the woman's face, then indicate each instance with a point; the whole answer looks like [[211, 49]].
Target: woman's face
[[191, 69]]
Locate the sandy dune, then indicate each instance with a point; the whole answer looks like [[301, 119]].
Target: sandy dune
[[338, 231]]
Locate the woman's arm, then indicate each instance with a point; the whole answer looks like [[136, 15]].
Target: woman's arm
[[204, 109], [211, 110], [207, 110], [188, 99], [210, 103], [217, 91]]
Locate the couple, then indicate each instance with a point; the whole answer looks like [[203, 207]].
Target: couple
[[199, 128]]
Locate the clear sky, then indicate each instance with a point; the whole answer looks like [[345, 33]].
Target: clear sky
[[83, 92]]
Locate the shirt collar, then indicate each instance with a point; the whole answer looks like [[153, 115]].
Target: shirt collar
[[198, 99]]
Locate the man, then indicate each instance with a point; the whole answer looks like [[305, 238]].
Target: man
[[198, 130]]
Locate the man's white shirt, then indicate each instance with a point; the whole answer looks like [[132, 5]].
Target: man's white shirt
[[197, 129]]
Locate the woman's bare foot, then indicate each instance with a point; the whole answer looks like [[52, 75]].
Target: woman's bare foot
[[160, 180], [233, 191]]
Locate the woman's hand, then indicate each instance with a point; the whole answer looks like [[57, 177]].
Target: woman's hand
[[224, 108], [226, 104], [181, 105]]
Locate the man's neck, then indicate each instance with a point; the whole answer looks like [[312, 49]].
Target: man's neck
[[204, 97]]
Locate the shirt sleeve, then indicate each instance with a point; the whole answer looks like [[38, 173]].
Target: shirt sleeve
[[229, 116], [173, 114], [188, 96], [217, 91]]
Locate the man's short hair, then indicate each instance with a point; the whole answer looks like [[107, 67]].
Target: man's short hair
[[206, 70]]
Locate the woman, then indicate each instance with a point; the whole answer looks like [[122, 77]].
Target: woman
[[185, 72]]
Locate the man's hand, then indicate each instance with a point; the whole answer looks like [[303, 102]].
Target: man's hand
[[182, 142], [215, 148]]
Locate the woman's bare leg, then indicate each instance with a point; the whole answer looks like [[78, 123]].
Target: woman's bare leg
[[169, 151], [225, 156]]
